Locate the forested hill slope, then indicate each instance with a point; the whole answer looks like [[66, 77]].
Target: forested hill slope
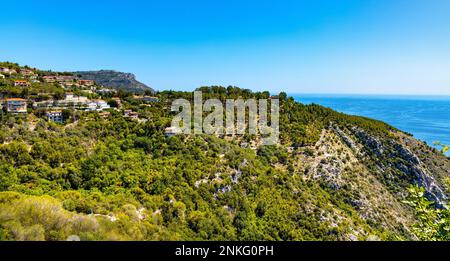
[[110, 177]]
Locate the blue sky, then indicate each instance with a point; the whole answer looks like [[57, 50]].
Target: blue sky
[[360, 46]]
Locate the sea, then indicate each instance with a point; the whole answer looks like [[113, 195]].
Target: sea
[[427, 118]]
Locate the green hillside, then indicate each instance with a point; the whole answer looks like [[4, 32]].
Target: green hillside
[[102, 175]]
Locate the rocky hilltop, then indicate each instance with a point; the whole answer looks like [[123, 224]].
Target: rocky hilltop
[[114, 79]]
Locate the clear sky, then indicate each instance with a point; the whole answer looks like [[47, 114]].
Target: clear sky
[[360, 46]]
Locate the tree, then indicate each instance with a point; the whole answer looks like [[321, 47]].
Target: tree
[[433, 223], [113, 103], [66, 114]]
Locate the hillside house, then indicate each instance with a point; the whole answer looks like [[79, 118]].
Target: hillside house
[[86, 82], [106, 91], [27, 72], [104, 114], [102, 105], [91, 106], [171, 131], [49, 78], [65, 79], [44, 104], [150, 99], [7, 70], [22, 83], [55, 116], [130, 114], [126, 113], [16, 105], [118, 102], [97, 105], [87, 91], [71, 100], [133, 115]]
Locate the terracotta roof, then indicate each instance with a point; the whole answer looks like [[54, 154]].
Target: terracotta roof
[[15, 99]]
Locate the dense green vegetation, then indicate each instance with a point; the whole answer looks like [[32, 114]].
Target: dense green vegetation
[[434, 223], [131, 166], [115, 178], [116, 166]]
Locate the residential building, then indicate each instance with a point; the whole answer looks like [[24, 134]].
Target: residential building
[[86, 82], [55, 116], [91, 106], [87, 91], [7, 70], [22, 83], [97, 105], [118, 102], [133, 115], [65, 78], [102, 105], [44, 104], [71, 97], [171, 131], [27, 72], [106, 91], [71, 100], [150, 99], [49, 78], [16, 105], [126, 113], [130, 114], [104, 114]]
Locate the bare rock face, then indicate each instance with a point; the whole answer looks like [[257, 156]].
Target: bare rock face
[[414, 166], [347, 140], [406, 161], [372, 172], [114, 79], [369, 141]]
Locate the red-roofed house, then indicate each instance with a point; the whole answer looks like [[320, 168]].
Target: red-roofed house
[[22, 83]]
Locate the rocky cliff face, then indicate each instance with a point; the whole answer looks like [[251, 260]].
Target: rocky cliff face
[[371, 173], [114, 79]]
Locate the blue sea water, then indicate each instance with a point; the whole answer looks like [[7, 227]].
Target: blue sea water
[[426, 117]]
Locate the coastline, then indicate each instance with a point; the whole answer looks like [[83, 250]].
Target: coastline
[[425, 117]]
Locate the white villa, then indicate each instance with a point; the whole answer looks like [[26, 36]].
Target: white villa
[[97, 105], [71, 100]]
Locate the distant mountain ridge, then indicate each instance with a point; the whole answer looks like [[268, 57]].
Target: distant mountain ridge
[[114, 79]]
